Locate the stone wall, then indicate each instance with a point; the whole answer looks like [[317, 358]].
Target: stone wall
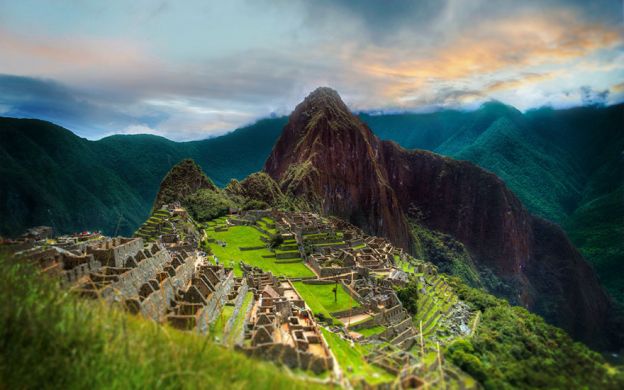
[[214, 303], [114, 252], [288, 255], [131, 281], [291, 357], [155, 306], [350, 312], [238, 306]]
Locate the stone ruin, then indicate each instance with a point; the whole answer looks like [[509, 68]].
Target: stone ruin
[[280, 327]]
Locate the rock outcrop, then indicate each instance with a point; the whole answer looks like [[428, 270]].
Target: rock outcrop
[[330, 158], [184, 179], [327, 156]]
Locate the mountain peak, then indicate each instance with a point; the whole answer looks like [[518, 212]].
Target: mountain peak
[[185, 178], [325, 155], [325, 93], [322, 99]]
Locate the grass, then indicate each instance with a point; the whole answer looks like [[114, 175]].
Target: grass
[[375, 330], [352, 356], [49, 338], [237, 326], [218, 327], [264, 222], [320, 298], [247, 236]]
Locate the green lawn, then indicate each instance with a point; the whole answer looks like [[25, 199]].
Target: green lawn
[[246, 236], [353, 356], [320, 298], [371, 331]]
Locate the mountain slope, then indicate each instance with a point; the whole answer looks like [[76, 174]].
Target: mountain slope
[[336, 154], [50, 176], [565, 165], [560, 163], [348, 172]]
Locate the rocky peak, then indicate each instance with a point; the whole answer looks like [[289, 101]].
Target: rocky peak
[[328, 157], [184, 179]]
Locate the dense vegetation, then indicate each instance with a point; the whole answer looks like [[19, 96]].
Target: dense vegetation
[[49, 176], [565, 165], [50, 338], [513, 348], [408, 295], [448, 254], [205, 205]]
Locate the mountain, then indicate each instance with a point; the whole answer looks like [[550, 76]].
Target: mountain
[[565, 165], [328, 156], [417, 131], [50, 176], [184, 179]]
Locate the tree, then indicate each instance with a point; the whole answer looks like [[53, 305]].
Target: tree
[[408, 296], [275, 241]]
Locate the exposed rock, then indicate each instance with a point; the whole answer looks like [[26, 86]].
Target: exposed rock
[[329, 157]]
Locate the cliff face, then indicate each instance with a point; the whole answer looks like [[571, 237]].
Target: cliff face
[[327, 156]]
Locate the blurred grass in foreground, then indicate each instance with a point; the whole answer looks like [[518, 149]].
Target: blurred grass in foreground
[[50, 338]]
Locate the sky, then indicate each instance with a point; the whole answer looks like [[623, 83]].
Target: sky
[[196, 69]]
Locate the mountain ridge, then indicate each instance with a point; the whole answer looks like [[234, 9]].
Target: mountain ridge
[[374, 183], [581, 146]]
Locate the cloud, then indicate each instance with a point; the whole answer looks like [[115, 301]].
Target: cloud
[[50, 100], [618, 87], [589, 97], [524, 80], [94, 116], [152, 69]]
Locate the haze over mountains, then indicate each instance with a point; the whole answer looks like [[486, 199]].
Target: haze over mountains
[[565, 165]]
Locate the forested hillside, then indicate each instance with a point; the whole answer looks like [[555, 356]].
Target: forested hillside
[[50, 176], [565, 165]]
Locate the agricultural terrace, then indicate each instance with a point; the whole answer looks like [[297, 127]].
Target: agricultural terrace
[[375, 330], [351, 358], [267, 224], [237, 237], [434, 305]]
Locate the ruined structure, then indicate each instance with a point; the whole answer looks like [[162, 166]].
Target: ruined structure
[[166, 277], [282, 329]]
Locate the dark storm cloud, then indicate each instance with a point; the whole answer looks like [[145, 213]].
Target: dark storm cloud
[[28, 97]]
